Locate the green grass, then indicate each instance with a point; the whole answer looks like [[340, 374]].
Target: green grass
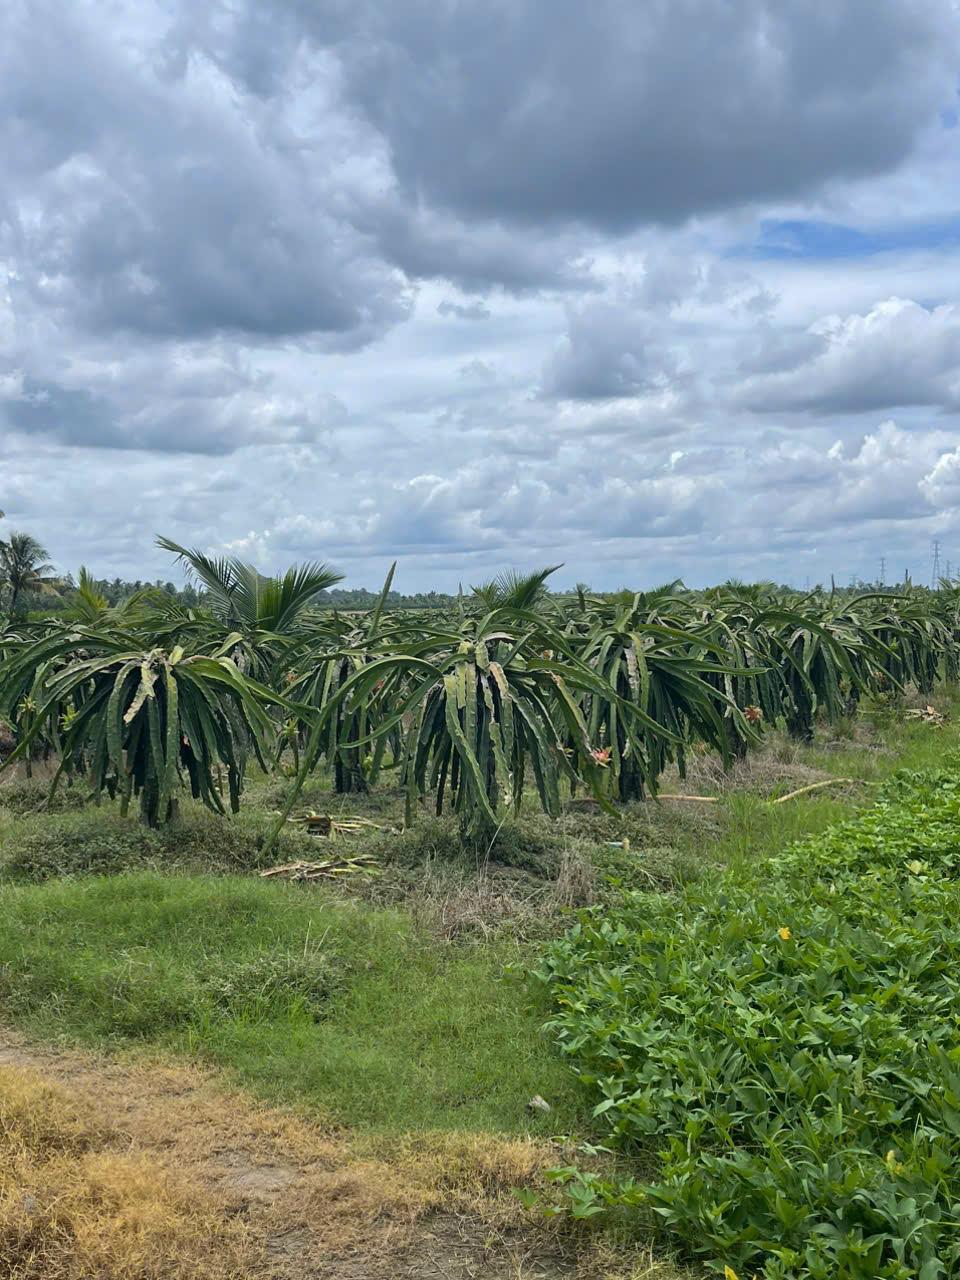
[[413, 1033]]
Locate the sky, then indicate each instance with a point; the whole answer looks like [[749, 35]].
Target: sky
[[653, 290]]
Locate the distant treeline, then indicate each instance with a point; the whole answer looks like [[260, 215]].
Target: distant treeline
[[113, 590], [117, 589], [361, 598]]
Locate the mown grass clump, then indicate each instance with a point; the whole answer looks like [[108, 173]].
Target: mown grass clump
[[352, 1010], [778, 1048]]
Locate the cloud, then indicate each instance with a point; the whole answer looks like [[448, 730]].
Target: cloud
[[465, 283], [899, 353], [477, 369], [631, 511], [427, 243], [635, 339], [200, 402], [615, 115], [941, 485], [878, 477], [168, 207], [611, 349], [463, 311]]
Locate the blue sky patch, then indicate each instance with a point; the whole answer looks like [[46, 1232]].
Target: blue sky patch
[[809, 239]]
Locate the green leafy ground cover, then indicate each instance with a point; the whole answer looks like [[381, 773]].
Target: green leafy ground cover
[[778, 1049]]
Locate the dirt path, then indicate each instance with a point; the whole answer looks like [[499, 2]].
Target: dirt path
[[272, 1194]]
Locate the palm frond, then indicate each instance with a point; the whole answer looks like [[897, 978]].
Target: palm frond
[[218, 575], [515, 590]]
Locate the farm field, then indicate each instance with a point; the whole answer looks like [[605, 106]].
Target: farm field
[[480, 640], [519, 846]]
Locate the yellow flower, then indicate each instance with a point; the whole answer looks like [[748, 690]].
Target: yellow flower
[[784, 934], [730, 1274], [916, 866]]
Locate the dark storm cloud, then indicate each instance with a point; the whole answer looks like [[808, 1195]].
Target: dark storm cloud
[[474, 256], [162, 207], [201, 171], [615, 113], [70, 416]]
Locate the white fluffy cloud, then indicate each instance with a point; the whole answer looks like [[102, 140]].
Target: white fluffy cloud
[[899, 353]]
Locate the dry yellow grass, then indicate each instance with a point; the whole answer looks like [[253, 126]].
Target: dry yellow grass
[[126, 1171], [73, 1207]]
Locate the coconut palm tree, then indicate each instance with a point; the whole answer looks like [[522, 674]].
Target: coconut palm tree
[[25, 567], [265, 612]]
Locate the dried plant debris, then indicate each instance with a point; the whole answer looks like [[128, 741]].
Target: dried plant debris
[[360, 864]]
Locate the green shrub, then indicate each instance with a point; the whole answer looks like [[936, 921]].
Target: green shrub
[[94, 843], [99, 841], [31, 795], [779, 1047]]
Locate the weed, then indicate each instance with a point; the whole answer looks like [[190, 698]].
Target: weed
[[31, 795], [782, 1043], [98, 841], [72, 844]]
